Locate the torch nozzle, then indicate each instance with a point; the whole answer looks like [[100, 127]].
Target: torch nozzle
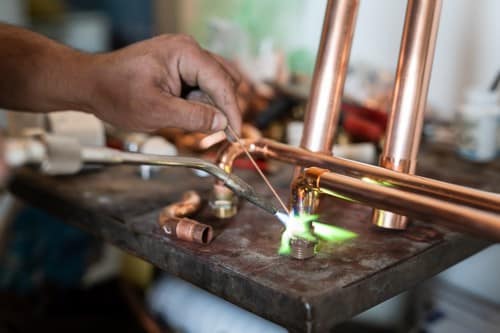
[[64, 155]]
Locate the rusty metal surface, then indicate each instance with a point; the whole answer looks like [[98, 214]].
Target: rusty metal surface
[[242, 264]]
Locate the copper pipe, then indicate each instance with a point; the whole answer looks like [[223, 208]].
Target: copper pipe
[[478, 222], [202, 141], [405, 182], [231, 151], [223, 202], [330, 71], [303, 197], [409, 96], [189, 204], [173, 221]]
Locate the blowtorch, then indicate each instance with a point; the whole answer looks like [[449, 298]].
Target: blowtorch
[[61, 155]]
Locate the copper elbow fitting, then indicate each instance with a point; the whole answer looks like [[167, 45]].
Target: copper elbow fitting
[[174, 222], [223, 202]]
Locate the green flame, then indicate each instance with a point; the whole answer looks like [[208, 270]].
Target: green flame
[[299, 226], [332, 233]]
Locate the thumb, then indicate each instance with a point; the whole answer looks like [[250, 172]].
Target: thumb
[[190, 115]]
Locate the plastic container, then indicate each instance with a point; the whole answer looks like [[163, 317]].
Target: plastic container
[[478, 125]]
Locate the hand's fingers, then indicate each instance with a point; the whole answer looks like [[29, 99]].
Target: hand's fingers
[[228, 66], [189, 115], [196, 69], [201, 97]]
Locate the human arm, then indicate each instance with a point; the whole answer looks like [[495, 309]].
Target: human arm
[[139, 87]]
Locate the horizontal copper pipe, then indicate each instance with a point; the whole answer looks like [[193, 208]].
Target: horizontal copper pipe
[[478, 222], [409, 183]]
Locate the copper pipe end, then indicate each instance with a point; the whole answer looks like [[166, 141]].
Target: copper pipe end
[[385, 219], [186, 229], [388, 220], [173, 221], [397, 164]]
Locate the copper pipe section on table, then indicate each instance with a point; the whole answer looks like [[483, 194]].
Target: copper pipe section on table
[[484, 224], [174, 222], [409, 99], [323, 108], [405, 182]]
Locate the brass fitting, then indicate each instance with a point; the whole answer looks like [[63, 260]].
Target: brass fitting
[[223, 202], [302, 248]]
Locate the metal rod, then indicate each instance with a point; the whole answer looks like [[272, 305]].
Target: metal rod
[[330, 71], [473, 220], [409, 96]]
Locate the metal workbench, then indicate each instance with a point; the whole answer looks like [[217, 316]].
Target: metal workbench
[[242, 264]]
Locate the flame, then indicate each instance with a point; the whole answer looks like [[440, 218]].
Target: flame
[[298, 226]]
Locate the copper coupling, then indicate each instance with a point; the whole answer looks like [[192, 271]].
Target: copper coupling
[[173, 220]]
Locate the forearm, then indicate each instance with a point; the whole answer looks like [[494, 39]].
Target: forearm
[[38, 74]]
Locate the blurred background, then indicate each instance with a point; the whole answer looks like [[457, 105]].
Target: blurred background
[[55, 277]]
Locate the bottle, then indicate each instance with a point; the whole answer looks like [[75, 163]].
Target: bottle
[[477, 122]]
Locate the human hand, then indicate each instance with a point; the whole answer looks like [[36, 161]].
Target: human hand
[[141, 87]]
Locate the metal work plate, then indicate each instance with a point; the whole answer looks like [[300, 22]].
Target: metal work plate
[[242, 264]]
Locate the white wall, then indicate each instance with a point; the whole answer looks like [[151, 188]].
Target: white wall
[[13, 12], [467, 51]]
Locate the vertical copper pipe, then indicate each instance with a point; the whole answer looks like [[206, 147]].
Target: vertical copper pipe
[[330, 71], [409, 96]]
